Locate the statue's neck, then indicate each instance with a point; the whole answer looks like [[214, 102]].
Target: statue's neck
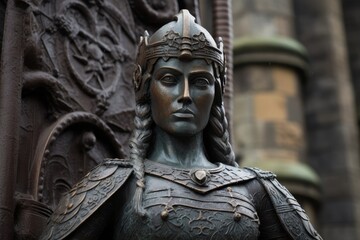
[[182, 152]]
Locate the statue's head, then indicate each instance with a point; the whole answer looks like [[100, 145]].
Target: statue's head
[[182, 51], [182, 39]]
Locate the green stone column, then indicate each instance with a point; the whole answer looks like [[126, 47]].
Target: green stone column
[[270, 68]]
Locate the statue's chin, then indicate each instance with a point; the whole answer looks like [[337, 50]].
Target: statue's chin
[[184, 129]]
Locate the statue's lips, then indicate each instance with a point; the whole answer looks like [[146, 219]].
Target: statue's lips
[[183, 113]]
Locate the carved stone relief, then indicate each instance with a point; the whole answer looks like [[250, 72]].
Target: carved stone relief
[[78, 57], [74, 145], [88, 44]]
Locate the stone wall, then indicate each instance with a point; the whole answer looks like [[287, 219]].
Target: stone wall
[[289, 109], [332, 132], [269, 70]]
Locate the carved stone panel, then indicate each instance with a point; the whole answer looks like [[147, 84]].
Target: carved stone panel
[[78, 57]]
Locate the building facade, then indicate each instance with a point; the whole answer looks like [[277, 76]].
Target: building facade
[[296, 102]]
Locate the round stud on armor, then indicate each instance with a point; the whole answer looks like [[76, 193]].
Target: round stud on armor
[[237, 216], [164, 214], [200, 177]]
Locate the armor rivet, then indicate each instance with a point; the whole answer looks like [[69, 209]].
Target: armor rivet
[[200, 175], [229, 189], [70, 205], [237, 216], [164, 214]]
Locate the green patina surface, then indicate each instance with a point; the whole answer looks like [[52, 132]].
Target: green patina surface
[[249, 44], [287, 170]]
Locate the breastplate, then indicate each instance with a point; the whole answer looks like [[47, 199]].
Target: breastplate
[[180, 204]]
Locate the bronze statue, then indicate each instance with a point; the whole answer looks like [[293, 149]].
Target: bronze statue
[[182, 181]]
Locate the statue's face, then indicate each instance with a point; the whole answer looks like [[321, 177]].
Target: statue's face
[[182, 94]]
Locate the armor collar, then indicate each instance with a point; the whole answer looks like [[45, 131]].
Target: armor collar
[[201, 180]]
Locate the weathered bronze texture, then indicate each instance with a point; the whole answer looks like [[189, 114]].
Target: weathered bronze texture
[[181, 181]]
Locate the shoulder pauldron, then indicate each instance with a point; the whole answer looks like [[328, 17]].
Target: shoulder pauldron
[[86, 197], [289, 211]]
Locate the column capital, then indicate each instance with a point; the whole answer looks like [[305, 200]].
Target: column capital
[[270, 50]]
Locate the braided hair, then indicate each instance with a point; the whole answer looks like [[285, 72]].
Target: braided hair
[[216, 134], [216, 138], [141, 136], [139, 145]]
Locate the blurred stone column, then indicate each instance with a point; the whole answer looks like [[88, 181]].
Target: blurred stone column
[[333, 143], [269, 70]]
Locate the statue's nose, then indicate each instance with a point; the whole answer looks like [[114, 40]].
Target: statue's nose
[[185, 93]]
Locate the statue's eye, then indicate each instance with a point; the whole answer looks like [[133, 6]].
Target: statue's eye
[[201, 82], [168, 79]]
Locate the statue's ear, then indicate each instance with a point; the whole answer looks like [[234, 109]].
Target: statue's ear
[[141, 83], [137, 77]]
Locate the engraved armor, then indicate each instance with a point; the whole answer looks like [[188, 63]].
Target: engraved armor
[[180, 208], [234, 203]]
